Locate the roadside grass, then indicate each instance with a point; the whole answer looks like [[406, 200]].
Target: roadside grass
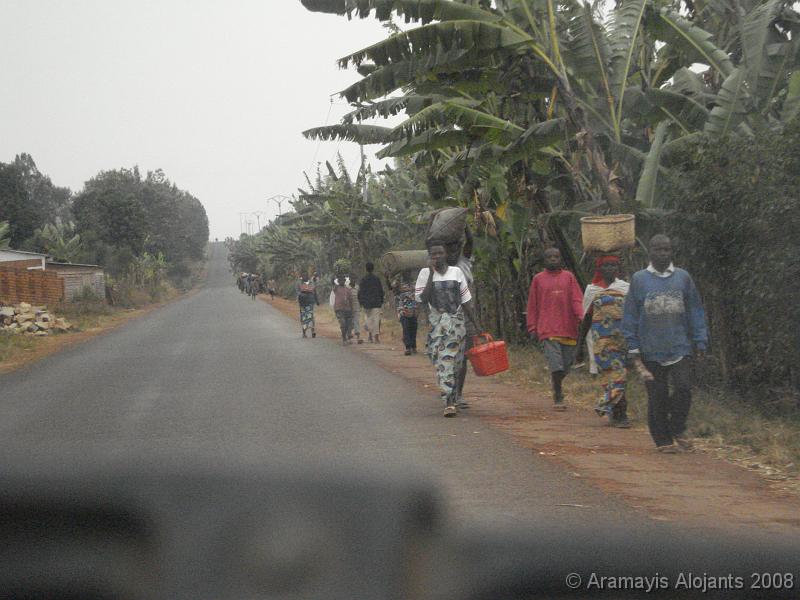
[[12, 345], [720, 421]]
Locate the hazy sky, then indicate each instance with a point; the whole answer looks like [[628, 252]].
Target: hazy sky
[[215, 93]]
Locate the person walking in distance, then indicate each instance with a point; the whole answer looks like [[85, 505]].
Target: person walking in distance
[[555, 311], [343, 307], [664, 325], [444, 289], [307, 299], [356, 311], [370, 296], [406, 306], [603, 302]]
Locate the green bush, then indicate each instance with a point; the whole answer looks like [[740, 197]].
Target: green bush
[[736, 224]]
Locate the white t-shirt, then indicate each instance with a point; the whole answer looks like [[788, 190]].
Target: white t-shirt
[[450, 290]]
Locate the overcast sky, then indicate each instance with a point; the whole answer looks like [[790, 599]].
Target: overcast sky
[[213, 92]]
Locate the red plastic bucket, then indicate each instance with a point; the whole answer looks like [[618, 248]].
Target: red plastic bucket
[[488, 358]]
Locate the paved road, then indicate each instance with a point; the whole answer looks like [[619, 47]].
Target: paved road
[[218, 374]]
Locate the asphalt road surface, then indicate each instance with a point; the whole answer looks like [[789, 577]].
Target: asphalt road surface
[[219, 375]]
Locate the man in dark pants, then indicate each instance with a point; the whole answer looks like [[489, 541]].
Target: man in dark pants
[[664, 324], [370, 296]]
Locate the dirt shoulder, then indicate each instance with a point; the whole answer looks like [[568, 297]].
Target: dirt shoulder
[[696, 489]]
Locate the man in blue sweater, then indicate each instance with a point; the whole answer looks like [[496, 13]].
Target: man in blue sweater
[[664, 325]]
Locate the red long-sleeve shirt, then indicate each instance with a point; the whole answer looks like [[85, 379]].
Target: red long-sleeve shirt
[[555, 305]]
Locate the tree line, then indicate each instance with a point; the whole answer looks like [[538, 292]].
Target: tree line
[[134, 226], [536, 113]]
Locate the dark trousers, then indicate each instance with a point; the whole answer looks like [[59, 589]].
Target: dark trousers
[[409, 325], [345, 318], [667, 412]]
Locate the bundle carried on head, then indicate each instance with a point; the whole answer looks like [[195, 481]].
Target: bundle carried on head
[[447, 224], [397, 261]]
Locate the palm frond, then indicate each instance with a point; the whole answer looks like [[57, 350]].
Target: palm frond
[[626, 30], [351, 132], [588, 50], [730, 109], [426, 141], [461, 35], [695, 42], [764, 48], [413, 10], [791, 104], [463, 114], [411, 104], [646, 190]]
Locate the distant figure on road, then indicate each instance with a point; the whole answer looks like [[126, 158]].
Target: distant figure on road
[[444, 289], [603, 302], [370, 296], [343, 307], [307, 299], [271, 289], [406, 306], [356, 311], [664, 323], [254, 285], [555, 310], [241, 282]]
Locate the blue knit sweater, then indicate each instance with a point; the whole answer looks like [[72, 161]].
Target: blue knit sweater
[[664, 317]]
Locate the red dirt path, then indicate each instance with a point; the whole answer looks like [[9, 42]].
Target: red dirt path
[[696, 489]]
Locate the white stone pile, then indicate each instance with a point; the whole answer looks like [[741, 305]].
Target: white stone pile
[[24, 318]]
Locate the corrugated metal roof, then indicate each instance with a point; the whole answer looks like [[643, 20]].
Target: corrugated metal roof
[[23, 252]]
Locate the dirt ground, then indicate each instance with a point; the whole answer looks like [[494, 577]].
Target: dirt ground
[[695, 489]]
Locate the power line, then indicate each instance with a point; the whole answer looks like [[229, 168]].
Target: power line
[[319, 143]]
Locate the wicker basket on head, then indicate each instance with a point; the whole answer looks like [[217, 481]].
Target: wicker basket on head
[[608, 232]]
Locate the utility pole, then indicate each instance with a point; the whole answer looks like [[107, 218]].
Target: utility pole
[[279, 199]]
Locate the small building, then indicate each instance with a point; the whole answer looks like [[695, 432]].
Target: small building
[[78, 277], [19, 259]]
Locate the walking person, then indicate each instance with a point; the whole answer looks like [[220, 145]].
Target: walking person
[[445, 291], [271, 289], [307, 298], [343, 307], [406, 306], [459, 254], [370, 296], [664, 324], [555, 311], [255, 285], [603, 303], [356, 331]]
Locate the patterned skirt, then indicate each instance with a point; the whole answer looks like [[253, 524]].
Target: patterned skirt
[[307, 316], [446, 349]]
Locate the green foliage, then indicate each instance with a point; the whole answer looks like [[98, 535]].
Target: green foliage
[[121, 216], [337, 226], [737, 217], [60, 241]]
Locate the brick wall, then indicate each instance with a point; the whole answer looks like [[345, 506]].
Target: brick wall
[[35, 287]]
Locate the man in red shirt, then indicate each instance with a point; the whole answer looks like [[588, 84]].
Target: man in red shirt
[[555, 310]]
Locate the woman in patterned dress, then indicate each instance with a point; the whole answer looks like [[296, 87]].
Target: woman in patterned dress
[[603, 302]]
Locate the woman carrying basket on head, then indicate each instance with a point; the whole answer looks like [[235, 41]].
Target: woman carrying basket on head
[[307, 298], [603, 302], [444, 289]]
